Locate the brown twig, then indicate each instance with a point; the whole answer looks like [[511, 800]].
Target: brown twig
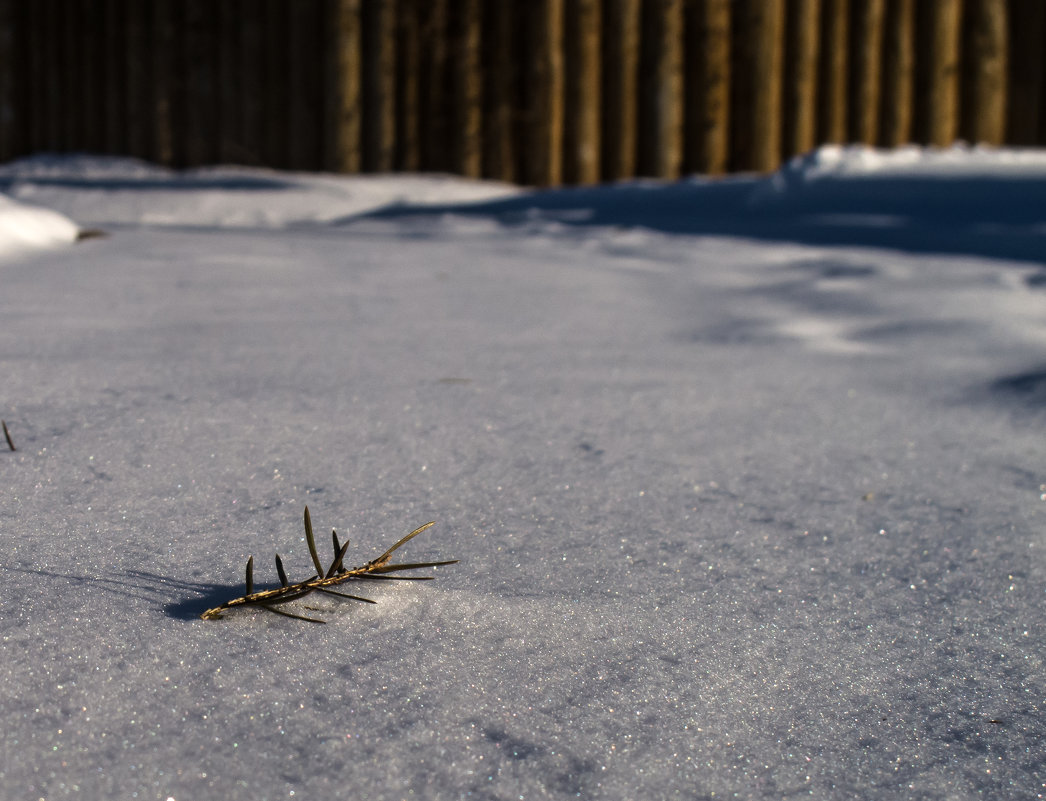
[[376, 569], [7, 436]]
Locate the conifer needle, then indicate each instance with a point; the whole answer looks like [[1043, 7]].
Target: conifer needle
[[339, 557], [312, 543], [274, 610]]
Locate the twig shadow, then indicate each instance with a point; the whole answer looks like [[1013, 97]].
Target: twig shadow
[[205, 595], [153, 588]]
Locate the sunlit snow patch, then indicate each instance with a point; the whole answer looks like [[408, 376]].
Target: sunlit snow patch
[[25, 227]]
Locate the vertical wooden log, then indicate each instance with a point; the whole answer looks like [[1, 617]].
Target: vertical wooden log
[[230, 87], [937, 101], [138, 59], [759, 84], [304, 115], [803, 49], [53, 80], [895, 127], [90, 80], [835, 62], [581, 132], [1024, 124], [276, 105], [544, 97], [9, 67], [343, 81], [985, 53], [69, 46], [34, 58], [435, 116], [867, 45], [297, 119], [51, 83], [408, 97], [115, 77], [166, 83], [621, 93], [661, 107], [251, 72], [468, 89], [379, 86], [22, 92], [707, 57], [768, 95], [500, 58], [201, 106]]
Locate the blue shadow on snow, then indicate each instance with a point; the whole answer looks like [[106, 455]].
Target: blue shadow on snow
[[987, 216]]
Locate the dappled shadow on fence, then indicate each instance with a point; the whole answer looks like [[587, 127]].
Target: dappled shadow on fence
[[989, 216]]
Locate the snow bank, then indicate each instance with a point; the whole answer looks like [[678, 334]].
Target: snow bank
[[971, 201], [100, 191], [951, 162], [833, 194], [24, 227], [944, 186]]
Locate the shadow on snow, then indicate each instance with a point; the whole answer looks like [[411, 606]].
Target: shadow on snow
[[979, 215]]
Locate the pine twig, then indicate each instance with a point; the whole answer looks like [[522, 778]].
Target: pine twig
[[324, 579], [7, 436]]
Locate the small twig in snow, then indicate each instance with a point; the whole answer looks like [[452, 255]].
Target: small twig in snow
[[324, 579]]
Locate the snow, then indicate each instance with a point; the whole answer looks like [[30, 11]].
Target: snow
[[124, 191], [746, 478], [25, 228]]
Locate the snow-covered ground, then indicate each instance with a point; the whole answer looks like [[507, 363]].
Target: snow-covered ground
[[746, 478]]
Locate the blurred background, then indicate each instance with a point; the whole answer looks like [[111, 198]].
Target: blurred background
[[539, 92]]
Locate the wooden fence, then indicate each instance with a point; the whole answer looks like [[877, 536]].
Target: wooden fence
[[533, 91]]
